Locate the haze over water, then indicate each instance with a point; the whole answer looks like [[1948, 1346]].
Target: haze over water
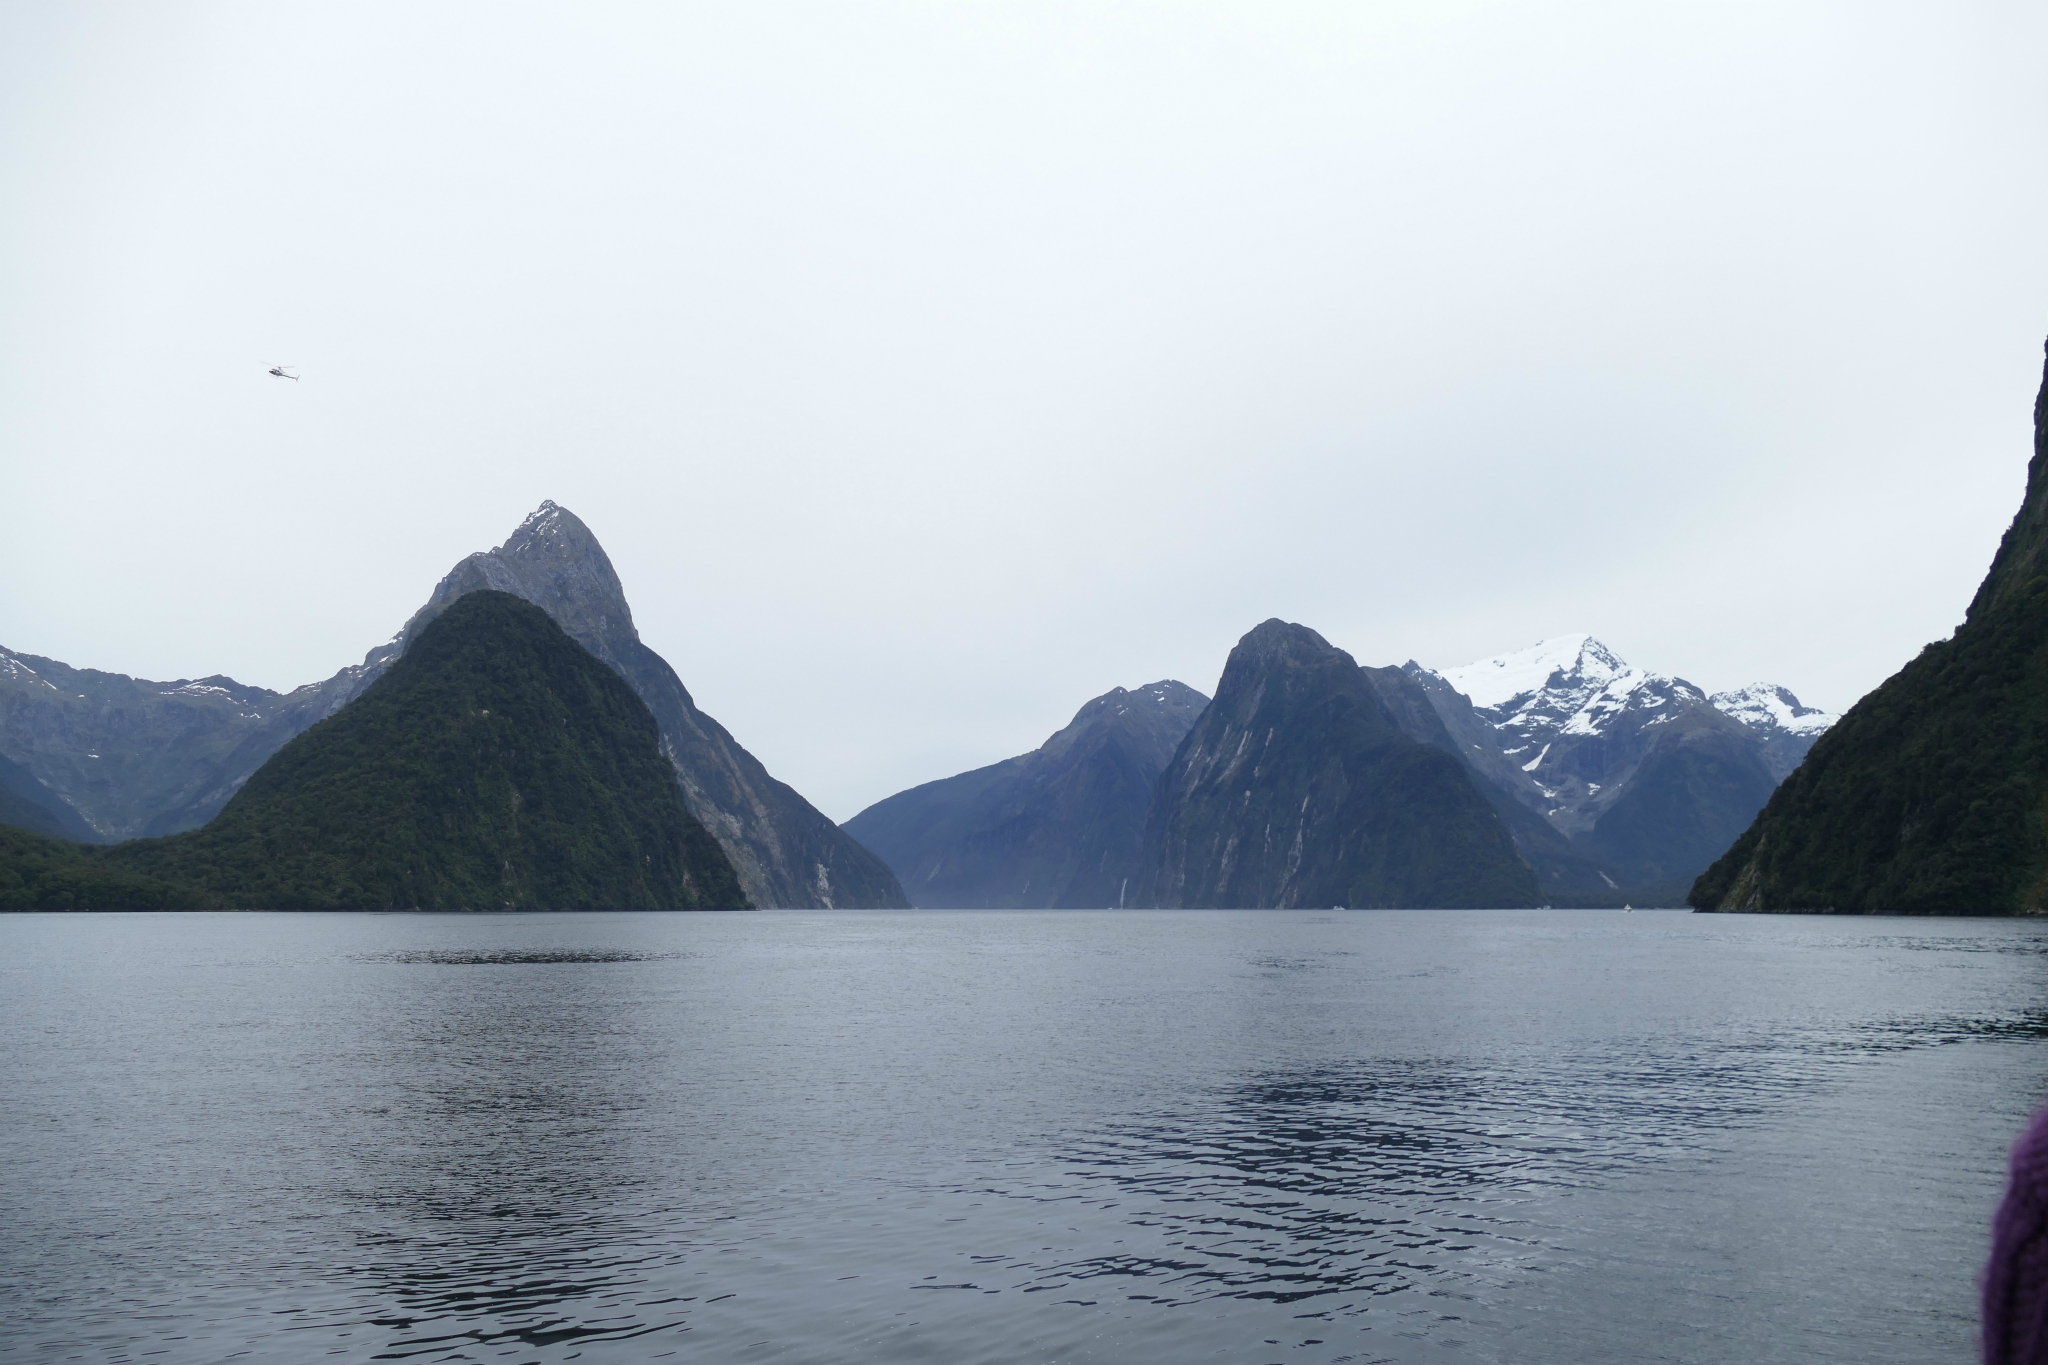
[[1000, 1137]]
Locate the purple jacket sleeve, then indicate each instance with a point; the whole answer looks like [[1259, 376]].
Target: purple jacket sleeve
[[2016, 1279]]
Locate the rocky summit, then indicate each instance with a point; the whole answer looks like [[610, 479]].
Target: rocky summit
[[1061, 827], [1928, 796], [1298, 788]]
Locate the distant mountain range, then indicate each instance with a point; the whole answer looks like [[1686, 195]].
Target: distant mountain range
[[1931, 795], [1610, 783], [108, 757]]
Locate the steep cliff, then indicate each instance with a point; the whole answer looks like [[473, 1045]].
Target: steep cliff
[[1930, 795], [1296, 787], [1060, 827]]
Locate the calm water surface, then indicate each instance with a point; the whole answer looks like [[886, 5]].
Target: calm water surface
[[1533, 1137]]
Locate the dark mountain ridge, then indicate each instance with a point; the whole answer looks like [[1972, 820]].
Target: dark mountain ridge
[[1061, 827]]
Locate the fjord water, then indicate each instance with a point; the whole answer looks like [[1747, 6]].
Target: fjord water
[[1007, 1136]]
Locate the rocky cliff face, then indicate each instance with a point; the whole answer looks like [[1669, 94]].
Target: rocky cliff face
[[137, 758], [1928, 796], [1061, 827], [1296, 787]]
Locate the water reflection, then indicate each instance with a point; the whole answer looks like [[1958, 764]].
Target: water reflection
[[1383, 1177], [491, 1162], [998, 1139]]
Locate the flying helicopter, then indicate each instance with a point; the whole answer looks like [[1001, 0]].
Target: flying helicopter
[[282, 373]]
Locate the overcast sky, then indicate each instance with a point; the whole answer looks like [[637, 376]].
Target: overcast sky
[[929, 369]]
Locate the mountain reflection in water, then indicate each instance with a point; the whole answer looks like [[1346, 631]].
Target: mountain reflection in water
[[994, 1137]]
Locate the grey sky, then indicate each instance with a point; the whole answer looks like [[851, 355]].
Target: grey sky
[[928, 369]]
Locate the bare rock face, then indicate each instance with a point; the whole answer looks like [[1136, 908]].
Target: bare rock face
[[1061, 827]]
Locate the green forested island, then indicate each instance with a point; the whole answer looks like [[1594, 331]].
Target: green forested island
[[496, 765]]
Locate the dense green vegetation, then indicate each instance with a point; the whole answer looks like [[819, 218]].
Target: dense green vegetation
[[1931, 795], [37, 873], [496, 765], [1926, 798]]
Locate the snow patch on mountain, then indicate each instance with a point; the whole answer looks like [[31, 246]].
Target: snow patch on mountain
[[1766, 706], [1492, 683], [1569, 686]]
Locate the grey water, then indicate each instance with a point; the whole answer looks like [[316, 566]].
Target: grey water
[[1251, 1137]]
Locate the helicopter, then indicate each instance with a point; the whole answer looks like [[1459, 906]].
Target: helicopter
[[282, 373]]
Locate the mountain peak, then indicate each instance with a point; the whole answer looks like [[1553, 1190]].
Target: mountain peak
[[1274, 638], [1567, 660], [1767, 706], [1296, 788], [553, 561]]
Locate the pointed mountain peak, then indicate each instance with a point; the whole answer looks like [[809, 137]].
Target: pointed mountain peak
[[552, 530], [553, 561], [1170, 692]]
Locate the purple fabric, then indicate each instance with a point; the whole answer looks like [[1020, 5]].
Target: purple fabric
[[2016, 1279]]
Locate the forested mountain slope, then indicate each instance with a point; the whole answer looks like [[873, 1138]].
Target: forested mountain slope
[[1930, 795]]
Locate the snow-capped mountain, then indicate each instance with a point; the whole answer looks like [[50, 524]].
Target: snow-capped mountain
[[1548, 697], [1787, 728], [1644, 775]]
